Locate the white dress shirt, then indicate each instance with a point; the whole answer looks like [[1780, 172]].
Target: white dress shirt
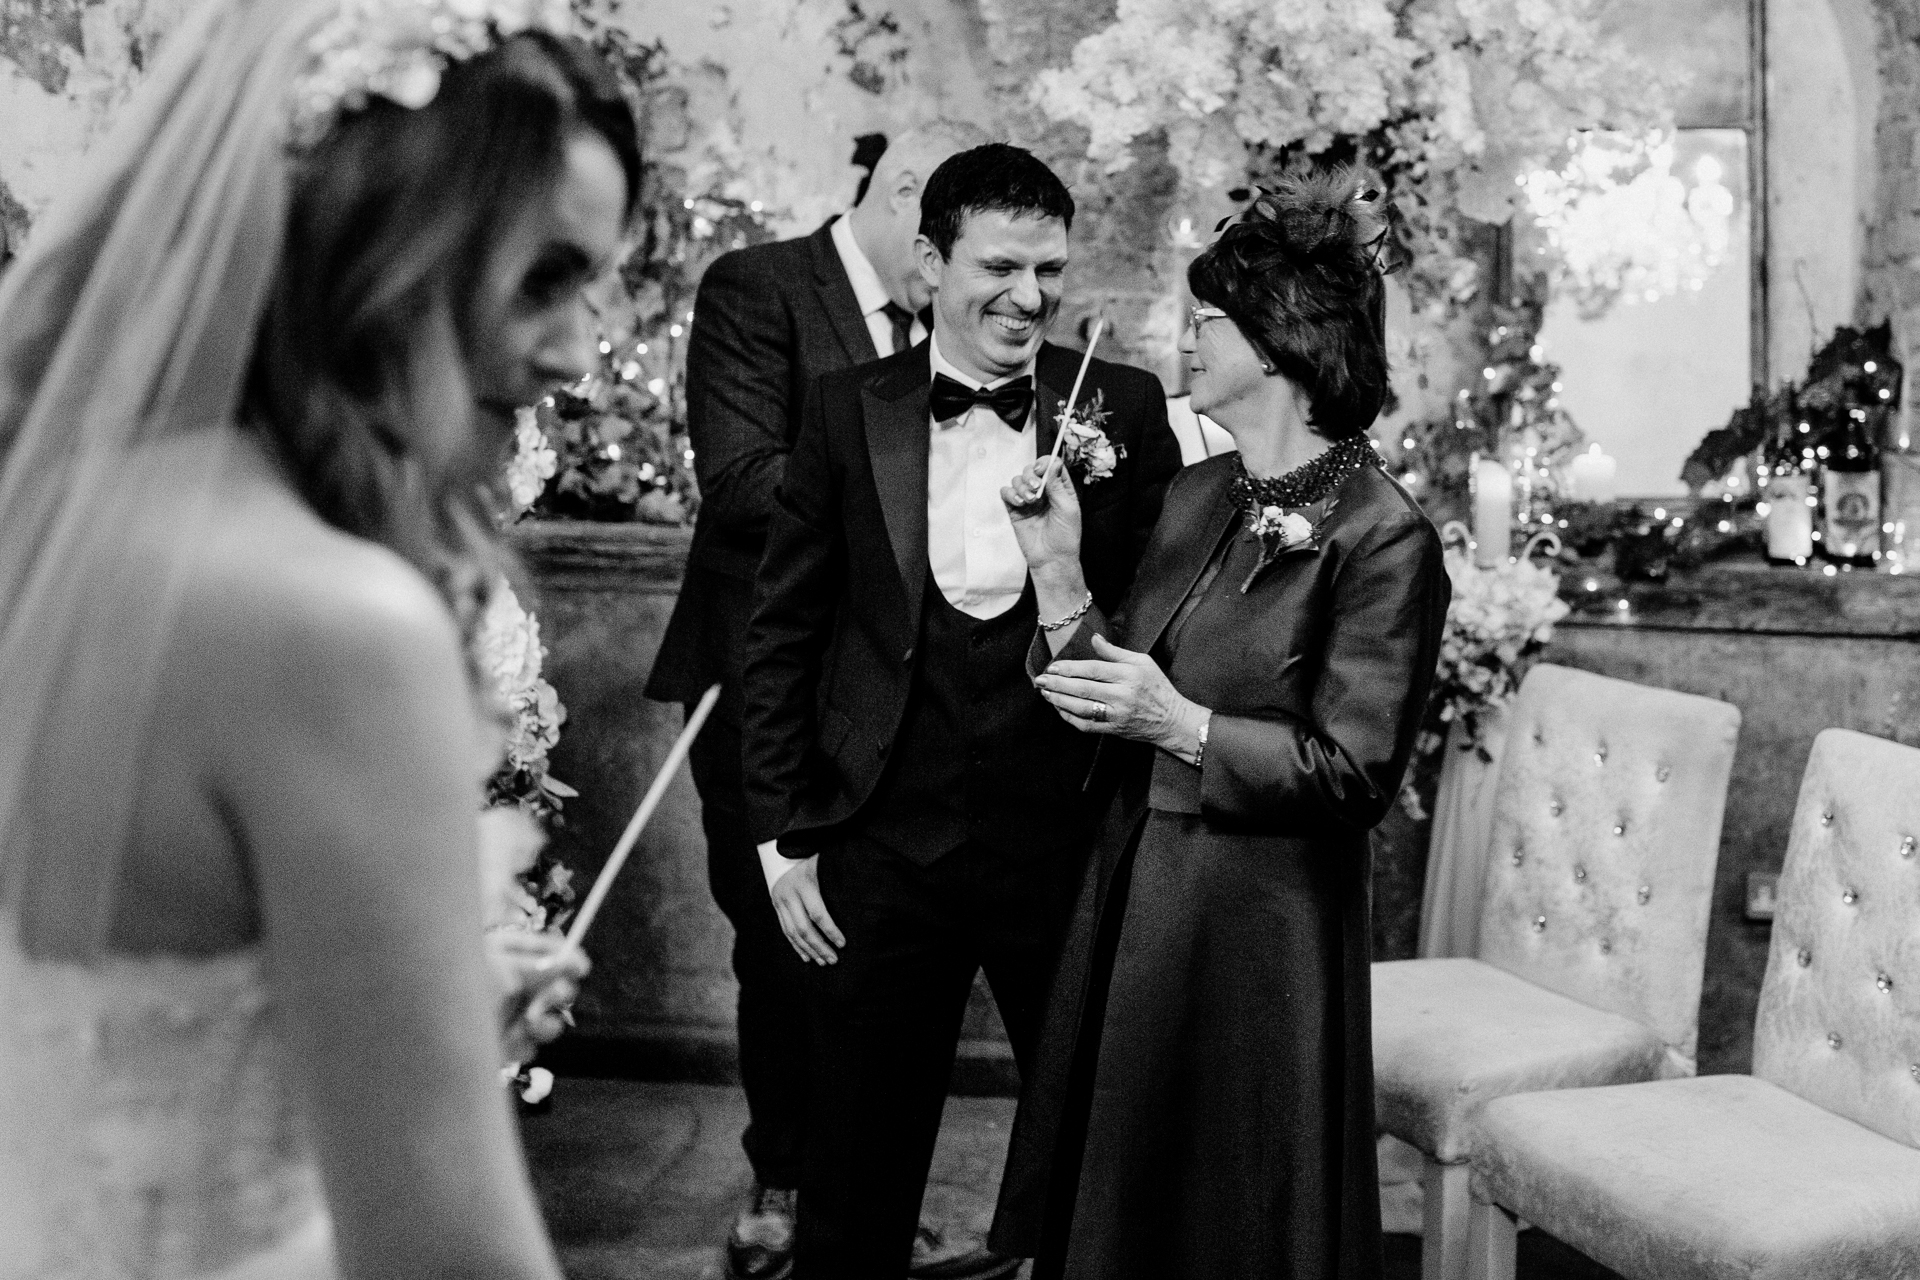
[[975, 558], [868, 291]]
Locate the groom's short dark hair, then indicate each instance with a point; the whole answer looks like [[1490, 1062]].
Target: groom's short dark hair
[[995, 178]]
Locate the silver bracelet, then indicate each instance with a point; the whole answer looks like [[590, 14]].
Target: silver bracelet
[[1071, 618], [1200, 752]]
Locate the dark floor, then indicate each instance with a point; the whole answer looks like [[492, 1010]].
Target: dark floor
[[640, 1180]]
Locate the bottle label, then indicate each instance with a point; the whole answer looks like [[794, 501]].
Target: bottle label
[[1851, 505]]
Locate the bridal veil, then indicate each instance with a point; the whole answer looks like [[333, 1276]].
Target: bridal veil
[[126, 329]]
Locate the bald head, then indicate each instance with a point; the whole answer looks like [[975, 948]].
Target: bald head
[[887, 219]]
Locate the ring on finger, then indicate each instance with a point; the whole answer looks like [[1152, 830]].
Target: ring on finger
[[1100, 712]]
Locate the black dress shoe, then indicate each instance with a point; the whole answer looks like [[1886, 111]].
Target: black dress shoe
[[760, 1246], [938, 1255]]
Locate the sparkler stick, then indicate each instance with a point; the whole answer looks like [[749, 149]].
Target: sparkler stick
[[1053, 459], [650, 802]]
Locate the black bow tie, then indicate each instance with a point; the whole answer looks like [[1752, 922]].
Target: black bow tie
[[1011, 400]]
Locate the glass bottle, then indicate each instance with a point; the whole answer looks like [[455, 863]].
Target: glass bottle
[[1850, 495]]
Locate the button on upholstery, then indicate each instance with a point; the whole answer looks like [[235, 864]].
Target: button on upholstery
[[1826, 817], [1579, 875], [1804, 956], [1833, 1040], [1885, 983], [1600, 756], [1539, 924], [1851, 896], [1907, 847], [1619, 828], [1556, 808], [1645, 894], [1606, 946], [1662, 774], [1518, 857]]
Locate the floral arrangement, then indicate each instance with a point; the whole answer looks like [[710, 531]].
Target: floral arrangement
[[1085, 447], [532, 889], [1448, 102], [1498, 621]]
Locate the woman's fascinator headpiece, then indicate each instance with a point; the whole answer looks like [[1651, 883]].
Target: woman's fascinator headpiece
[[398, 50], [1324, 215]]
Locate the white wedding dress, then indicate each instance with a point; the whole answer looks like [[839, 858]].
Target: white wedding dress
[[146, 1132]]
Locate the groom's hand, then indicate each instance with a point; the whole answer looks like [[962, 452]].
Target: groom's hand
[[803, 913]]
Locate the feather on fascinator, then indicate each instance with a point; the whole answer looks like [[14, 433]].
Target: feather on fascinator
[[1323, 216]]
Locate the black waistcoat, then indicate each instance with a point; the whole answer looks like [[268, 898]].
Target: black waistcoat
[[980, 755]]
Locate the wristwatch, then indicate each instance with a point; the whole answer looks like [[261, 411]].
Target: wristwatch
[[1200, 752]]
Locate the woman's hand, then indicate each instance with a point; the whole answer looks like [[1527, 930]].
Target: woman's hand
[[536, 994], [1046, 522], [1123, 693]]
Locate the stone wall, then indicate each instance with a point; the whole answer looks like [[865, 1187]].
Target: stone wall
[[1890, 285]]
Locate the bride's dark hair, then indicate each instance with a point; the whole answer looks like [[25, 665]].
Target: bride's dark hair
[[357, 377], [1298, 272]]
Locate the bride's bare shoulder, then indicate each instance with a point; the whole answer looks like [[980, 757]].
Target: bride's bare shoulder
[[274, 582]]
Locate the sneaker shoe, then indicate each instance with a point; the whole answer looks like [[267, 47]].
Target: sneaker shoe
[[942, 1255], [760, 1246]]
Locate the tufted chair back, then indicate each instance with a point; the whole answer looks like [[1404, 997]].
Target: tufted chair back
[[1606, 828], [1839, 1019]]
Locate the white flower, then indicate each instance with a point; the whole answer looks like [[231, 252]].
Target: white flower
[[398, 49], [534, 461], [1295, 529]]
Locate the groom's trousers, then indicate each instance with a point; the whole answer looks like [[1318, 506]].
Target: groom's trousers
[[887, 1020], [772, 1018]]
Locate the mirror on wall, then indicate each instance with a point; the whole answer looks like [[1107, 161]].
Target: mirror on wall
[[1655, 357]]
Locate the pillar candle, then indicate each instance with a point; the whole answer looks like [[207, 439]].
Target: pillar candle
[[1590, 476], [1789, 517], [1492, 512], [1900, 472]]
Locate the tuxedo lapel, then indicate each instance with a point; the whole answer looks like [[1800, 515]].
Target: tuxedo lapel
[[836, 298], [898, 441], [1204, 510], [1047, 397]]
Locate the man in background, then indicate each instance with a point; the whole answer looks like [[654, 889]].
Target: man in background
[[768, 320]]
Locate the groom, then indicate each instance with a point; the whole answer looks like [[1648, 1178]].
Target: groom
[[919, 807]]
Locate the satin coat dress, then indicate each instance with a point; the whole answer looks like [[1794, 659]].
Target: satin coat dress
[[1202, 1100]]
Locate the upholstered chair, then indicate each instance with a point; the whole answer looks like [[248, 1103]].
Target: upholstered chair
[[1592, 936], [1808, 1168]]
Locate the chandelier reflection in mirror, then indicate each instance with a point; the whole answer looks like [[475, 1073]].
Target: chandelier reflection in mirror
[[1620, 225]]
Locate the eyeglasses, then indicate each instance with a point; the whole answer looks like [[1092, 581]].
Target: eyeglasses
[[1198, 315]]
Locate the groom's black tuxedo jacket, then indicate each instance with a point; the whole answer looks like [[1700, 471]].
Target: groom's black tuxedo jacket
[[768, 320], [840, 599]]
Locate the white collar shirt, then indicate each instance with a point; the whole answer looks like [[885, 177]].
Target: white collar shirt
[[868, 291], [975, 558]]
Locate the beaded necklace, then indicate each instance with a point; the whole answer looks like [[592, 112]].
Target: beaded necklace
[[1307, 483]]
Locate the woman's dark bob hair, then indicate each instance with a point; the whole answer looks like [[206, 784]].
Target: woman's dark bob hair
[[1298, 273]]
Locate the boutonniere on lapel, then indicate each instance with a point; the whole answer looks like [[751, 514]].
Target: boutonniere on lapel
[[1283, 533], [1084, 446]]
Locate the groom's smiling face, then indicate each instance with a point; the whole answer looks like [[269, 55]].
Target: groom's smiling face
[[997, 292]]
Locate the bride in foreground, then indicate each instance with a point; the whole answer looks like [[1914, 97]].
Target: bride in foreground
[[252, 375]]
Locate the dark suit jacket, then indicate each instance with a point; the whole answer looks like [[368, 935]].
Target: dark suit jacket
[[839, 598], [768, 320]]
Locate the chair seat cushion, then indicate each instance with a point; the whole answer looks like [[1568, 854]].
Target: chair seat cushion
[[1705, 1179], [1449, 1035]]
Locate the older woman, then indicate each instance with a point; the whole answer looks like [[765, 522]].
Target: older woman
[[1203, 1103]]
